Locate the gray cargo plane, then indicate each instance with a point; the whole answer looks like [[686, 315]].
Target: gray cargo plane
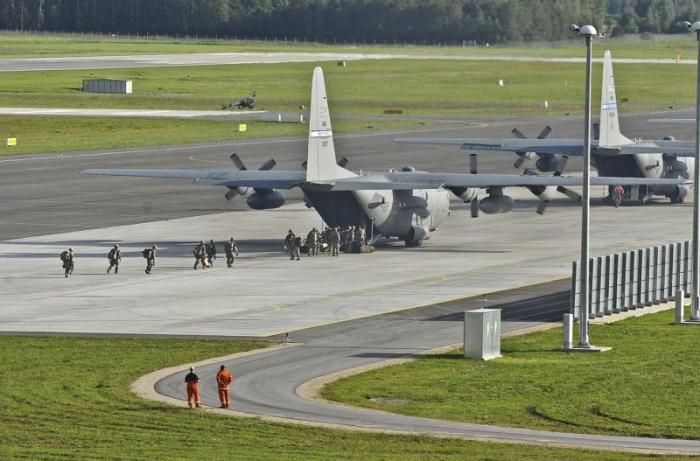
[[405, 204], [612, 154]]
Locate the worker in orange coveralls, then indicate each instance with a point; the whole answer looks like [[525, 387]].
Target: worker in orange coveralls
[[223, 381], [192, 381]]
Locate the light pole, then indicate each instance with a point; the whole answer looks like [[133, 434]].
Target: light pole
[[588, 32], [695, 306]]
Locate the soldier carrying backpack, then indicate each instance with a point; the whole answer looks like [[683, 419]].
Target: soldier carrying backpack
[[67, 257], [150, 255]]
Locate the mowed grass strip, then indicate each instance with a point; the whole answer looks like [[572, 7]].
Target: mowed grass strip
[[646, 386], [64, 134], [15, 45], [69, 398], [417, 87]]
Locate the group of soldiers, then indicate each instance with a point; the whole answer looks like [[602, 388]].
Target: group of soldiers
[[331, 240], [204, 254]]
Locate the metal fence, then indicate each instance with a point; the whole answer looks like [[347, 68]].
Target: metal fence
[[633, 279]]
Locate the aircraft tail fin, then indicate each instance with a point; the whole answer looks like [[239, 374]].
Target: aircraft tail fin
[[610, 134], [321, 162]]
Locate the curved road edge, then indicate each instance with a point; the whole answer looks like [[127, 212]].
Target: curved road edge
[[145, 387]]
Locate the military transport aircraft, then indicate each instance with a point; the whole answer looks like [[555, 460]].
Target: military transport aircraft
[[407, 204], [612, 154]]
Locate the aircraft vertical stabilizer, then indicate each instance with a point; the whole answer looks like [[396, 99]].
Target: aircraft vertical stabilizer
[[610, 134], [321, 162]]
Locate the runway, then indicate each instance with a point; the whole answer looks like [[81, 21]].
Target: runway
[[48, 206], [211, 59]]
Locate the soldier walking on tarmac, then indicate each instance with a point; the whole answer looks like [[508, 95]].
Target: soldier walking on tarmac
[[67, 258], [288, 240], [230, 248], [223, 381], [150, 255], [192, 380], [114, 256], [294, 251], [200, 255], [211, 252], [334, 241], [312, 242]]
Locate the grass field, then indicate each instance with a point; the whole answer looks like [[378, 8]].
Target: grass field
[[467, 88], [645, 386], [16, 45], [68, 398], [64, 134]]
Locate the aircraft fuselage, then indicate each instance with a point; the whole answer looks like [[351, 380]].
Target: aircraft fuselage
[[410, 215]]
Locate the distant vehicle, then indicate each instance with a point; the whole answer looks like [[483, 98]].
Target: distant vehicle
[[612, 154], [405, 204], [243, 103]]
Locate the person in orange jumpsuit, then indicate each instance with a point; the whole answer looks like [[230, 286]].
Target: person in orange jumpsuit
[[223, 381], [192, 380]]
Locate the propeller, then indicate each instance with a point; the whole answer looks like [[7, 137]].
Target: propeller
[[522, 155], [573, 195], [236, 159], [539, 190], [474, 169]]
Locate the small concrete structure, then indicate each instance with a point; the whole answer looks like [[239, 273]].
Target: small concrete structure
[[482, 334], [107, 85]]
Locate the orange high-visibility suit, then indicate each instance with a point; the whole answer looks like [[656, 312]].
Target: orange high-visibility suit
[[192, 381], [223, 381]]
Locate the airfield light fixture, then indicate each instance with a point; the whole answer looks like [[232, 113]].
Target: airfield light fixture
[[588, 32], [695, 306]]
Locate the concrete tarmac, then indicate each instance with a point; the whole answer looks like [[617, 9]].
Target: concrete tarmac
[[47, 206], [209, 59]]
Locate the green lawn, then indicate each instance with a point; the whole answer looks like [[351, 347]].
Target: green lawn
[[465, 88], [64, 134], [27, 45], [646, 386], [69, 398]]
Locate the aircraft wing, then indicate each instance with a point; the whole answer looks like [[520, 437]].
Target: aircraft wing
[[571, 147], [427, 180], [545, 146], [264, 179]]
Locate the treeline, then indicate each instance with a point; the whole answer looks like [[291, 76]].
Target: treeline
[[347, 20], [652, 16]]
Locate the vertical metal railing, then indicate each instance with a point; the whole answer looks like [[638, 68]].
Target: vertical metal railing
[[634, 279]]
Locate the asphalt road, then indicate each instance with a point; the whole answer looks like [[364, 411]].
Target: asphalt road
[[44, 194], [266, 384], [208, 59]]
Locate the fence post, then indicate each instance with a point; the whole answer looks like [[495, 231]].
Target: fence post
[[680, 306], [609, 285], [575, 289], [568, 325]]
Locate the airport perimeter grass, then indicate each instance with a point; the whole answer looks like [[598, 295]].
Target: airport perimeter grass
[[417, 87], [69, 398], [646, 386], [64, 134], [18, 45]]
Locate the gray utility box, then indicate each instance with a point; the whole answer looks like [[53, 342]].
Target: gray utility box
[[482, 334], [107, 85]]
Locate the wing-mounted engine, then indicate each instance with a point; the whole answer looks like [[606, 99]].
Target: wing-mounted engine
[[259, 199], [496, 202], [545, 162]]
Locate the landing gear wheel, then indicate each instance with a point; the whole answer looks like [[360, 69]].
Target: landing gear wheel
[[413, 243], [676, 196]]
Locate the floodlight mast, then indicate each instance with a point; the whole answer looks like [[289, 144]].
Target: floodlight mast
[[588, 32], [695, 305]]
